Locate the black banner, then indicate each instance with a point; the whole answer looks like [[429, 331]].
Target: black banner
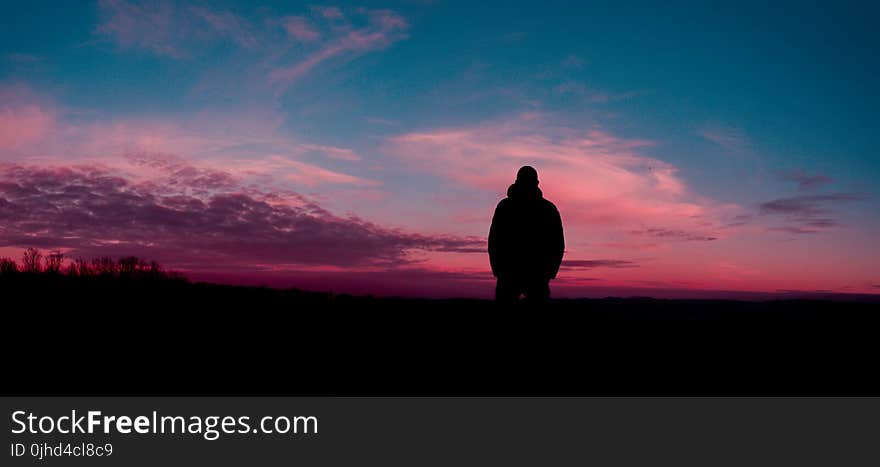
[[219, 431]]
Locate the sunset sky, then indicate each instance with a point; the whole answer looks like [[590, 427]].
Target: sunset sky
[[363, 147]]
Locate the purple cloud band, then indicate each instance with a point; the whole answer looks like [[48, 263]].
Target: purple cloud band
[[807, 214], [95, 211], [806, 181], [675, 234], [597, 263]]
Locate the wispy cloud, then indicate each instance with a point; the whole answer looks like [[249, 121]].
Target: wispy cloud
[[332, 152], [300, 28], [227, 24], [305, 174], [154, 27], [329, 12], [515, 36], [804, 180], [328, 32], [674, 234], [597, 263], [382, 28], [731, 139], [574, 61], [592, 95], [807, 204], [23, 120], [169, 29], [23, 64], [23, 58], [380, 121], [808, 214]]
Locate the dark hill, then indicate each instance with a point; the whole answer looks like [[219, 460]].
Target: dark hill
[[138, 333]]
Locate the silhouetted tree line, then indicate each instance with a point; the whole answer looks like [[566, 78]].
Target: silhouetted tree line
[[133, 284], [33, 261]]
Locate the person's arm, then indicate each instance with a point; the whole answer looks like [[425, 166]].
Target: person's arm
[[494, 241], [558, 243]]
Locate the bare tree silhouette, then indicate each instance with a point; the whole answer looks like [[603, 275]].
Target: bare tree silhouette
[[53, 262], [30, 260], [156, 269], [104, 266], [79, 267], [128, 267], [8, 266]]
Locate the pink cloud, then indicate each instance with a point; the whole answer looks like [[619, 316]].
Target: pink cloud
[[194, 218], [22, 123], [300, 29], [257, 154], [615, 200], [246, 144], [150, 26], [597, 178]]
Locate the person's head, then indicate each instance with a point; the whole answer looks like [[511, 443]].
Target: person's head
[[527, 175]]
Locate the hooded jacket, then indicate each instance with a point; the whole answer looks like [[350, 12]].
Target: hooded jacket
[[526, 239]]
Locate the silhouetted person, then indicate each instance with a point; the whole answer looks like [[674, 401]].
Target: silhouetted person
[[525, 241]]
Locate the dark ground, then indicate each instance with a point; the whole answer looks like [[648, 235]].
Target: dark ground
[[98, 335]]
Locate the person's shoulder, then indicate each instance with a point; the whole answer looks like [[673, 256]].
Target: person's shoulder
[[502, 208], [549, 205]]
